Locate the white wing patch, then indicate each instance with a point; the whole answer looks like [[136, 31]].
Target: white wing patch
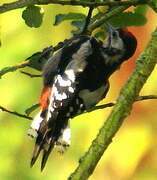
[[32, 132], [62, 82], [62, 89], [71, 75], [59, 96]]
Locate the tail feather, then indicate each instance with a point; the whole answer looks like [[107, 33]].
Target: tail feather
[[40, 141], [44, 142], [39, 145], [46, 154], [36, 153], [48, 134]]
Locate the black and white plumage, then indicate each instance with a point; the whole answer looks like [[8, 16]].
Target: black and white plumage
[[75, 80]]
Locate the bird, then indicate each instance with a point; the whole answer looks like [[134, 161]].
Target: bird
[[75, 79]]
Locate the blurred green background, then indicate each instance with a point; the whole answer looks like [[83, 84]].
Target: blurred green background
[[133, 152]]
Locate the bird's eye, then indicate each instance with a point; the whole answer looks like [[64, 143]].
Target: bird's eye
[[114, 34]]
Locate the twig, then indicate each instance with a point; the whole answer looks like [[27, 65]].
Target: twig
[[24, 3], [30, 75], [16, 113], [88, 18], [140, 98]]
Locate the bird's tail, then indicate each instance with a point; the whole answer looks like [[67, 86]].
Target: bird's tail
[[48, 134]]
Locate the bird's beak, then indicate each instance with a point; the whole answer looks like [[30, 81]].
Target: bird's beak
[[110, 30]]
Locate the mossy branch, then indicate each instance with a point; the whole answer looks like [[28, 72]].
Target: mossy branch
[[129, 93]]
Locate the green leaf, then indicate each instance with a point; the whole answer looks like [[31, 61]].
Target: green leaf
[[7, 69], [31, 109], [70, 16], [79, 27], [33, 16], [126, 19], [141, 9], [38, 59]]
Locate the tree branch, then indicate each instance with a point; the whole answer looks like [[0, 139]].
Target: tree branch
[[32, 108], [16, 113], [129, 93], [23, 3], [13, 68]]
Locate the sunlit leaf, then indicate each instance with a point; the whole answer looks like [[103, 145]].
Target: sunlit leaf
[[126, 19]]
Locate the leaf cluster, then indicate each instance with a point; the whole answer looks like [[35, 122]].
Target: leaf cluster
[[33, 17]]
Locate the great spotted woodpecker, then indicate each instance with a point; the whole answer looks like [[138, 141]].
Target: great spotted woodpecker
[[75, 80]]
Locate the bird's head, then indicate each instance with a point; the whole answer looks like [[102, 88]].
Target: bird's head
[[120, 40]]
